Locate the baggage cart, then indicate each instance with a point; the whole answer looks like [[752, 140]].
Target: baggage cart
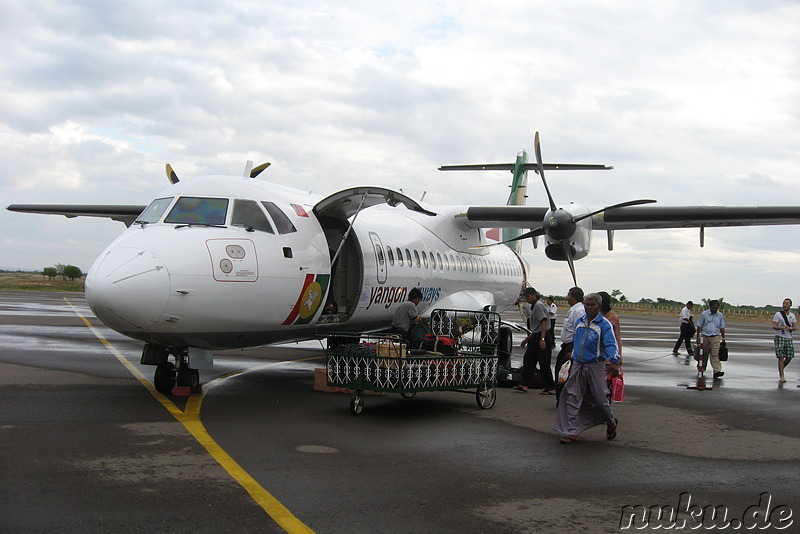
[[384, 363]]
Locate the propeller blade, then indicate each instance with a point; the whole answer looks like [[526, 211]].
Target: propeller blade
[[565, 246], [538, 150], [171, 175], [257, 170], [614, 206]]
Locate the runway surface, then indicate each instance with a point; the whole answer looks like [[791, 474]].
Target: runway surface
[[86, 447]]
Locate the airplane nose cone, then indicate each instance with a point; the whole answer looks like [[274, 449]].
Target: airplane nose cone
[[128, 289]]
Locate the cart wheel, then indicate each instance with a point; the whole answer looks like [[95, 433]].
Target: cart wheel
[[408, 394], [357, 402], [486, 395]]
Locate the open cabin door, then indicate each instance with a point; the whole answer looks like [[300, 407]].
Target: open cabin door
[[336, 214]]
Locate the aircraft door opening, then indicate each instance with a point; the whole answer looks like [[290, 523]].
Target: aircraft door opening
[[380, 258]]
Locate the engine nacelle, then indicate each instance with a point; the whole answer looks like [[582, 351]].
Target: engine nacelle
[[580, 240]]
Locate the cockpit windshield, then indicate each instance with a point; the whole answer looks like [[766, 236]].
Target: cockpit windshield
[[154, 211], [197, 210]]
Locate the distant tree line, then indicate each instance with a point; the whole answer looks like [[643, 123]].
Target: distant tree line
[[66, 272]]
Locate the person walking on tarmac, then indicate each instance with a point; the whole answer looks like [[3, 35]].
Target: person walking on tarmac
[[784, 324], [711, 326], [687, 330], [584, 400], [539, 351]]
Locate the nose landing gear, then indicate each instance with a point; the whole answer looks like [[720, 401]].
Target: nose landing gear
[[176, 379]]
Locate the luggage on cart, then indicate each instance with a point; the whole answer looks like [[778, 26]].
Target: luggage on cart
[[444, 345]]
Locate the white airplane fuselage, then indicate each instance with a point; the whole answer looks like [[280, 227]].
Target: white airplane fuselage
[[212, 280]]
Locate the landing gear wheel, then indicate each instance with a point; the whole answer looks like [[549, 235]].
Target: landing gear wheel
[[486, 395], [164, 378], [188, 378], [357, 402], [408, 394]]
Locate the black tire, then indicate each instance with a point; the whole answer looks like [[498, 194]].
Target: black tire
[[357, 402], [164, 378], [486, 396], [505, 345]]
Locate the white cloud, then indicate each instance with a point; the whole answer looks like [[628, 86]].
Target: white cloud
[[692, 102]]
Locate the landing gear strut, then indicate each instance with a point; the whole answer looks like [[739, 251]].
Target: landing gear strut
[[175, 379]]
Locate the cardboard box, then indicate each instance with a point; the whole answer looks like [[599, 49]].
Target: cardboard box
[[321, 384]]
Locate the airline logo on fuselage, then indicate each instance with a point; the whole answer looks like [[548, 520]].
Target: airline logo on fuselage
[[391, 295]]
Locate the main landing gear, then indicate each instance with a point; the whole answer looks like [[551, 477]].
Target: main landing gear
[[172, 378]]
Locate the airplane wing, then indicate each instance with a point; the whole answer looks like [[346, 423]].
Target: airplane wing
[[527, 167], [122, 213], [644, 217], [641, 217]]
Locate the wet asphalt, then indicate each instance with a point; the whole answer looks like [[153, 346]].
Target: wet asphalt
[[85, 447]]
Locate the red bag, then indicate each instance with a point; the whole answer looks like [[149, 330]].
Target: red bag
[[617, 388], [442, 344]]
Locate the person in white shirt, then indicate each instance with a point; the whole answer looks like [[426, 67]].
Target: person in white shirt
[[552, 314], [687, 329], [784, 324], [576, 311]]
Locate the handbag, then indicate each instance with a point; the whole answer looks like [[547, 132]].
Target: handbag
[[617, 388], [723, 352], [563, 373]]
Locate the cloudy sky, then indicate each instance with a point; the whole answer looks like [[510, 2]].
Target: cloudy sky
[[694, 102]]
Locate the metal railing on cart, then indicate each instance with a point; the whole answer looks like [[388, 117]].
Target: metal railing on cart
[[465, 359]]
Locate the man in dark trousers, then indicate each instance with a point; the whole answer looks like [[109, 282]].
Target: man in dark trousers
[[687, 330], [539, 351]]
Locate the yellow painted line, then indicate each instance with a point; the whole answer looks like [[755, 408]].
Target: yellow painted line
[[190, 418]]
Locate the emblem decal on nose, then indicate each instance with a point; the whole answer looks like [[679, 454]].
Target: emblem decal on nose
[[311, 295]]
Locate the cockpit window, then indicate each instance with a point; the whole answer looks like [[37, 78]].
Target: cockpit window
[[249, 214], [155, 210], [282, 222], [196, 210]]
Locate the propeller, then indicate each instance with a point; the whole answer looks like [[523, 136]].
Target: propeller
[[172, 176], [559, 225]]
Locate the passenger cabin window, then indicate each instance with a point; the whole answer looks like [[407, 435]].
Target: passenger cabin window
[[399, 256], [282, 222], [390, 255], [408, 258], [155, 210], [248, 213], [196, 210]]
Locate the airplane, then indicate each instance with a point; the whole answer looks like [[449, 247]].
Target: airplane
[[221, 262]]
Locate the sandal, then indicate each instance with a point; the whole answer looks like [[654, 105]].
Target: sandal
[[520, 387], [611, 433], [548, 392], [566, 440]]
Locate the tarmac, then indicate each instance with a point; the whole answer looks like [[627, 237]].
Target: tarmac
[[87, 446]]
